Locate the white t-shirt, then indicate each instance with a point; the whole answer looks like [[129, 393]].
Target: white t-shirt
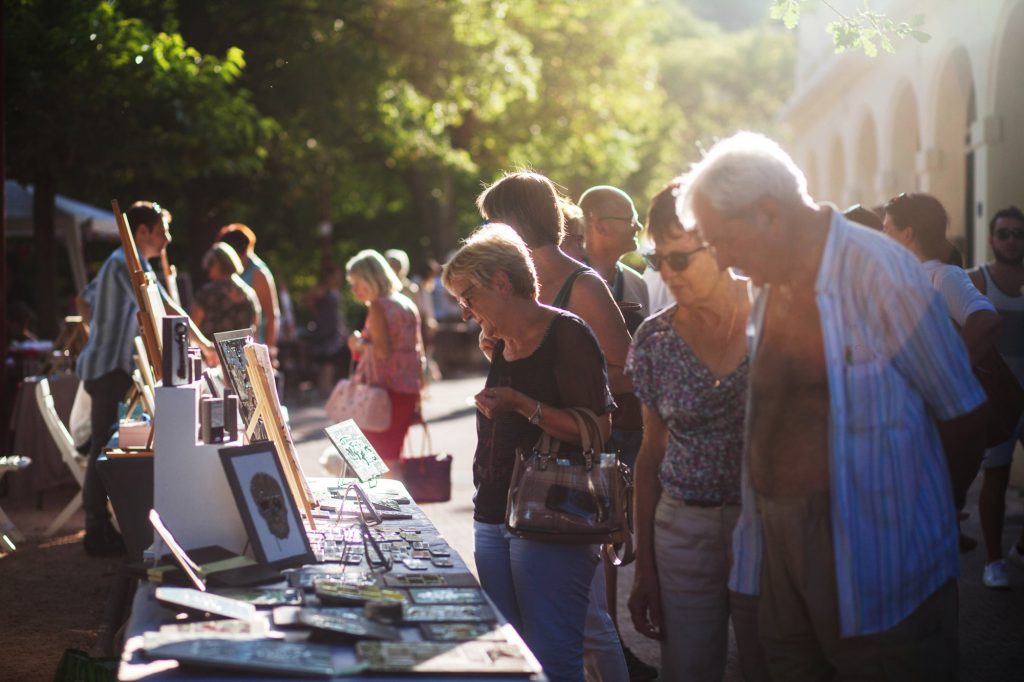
[[958, 291], [657, 291]]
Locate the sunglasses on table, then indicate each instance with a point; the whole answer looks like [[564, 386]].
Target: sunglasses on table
[[677, 260], [1006, 233]]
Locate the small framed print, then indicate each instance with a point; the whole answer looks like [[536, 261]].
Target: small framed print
[[235, 372], [446, 595], [460, 632], [267, 505], [449, 613], [357, 452]]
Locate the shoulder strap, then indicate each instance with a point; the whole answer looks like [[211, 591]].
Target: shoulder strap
[[619, 285], [563, 294]]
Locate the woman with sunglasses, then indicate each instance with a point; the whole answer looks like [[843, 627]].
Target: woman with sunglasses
[[690, 369], [543, 360]]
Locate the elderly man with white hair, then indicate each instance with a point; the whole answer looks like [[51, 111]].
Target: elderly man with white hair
[[858, 381]]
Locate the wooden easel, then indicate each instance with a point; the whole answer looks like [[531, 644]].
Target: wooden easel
[[268, 409], [147, 292], [170, 277]]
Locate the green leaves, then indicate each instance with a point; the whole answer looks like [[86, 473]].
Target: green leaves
[[866, 29], [786, 11]]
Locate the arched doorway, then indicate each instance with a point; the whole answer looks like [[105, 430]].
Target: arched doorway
[[905, 143], [1005, 147], [952, 179], [866, 164]]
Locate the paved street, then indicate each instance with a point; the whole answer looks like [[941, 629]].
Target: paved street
[[991, 623]]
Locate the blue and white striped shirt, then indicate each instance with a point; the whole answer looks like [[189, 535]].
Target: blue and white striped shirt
[[895, 365], [114, 324]]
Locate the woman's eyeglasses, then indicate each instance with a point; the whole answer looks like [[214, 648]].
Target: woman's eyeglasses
[[677, 260]]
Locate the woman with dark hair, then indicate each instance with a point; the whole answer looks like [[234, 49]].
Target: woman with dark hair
[[257, 275], [529, 203], [918, 222], [690, 370], [543, 360], [225, 303]]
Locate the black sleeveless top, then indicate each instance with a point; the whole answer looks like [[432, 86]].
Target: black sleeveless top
[[566, 370]]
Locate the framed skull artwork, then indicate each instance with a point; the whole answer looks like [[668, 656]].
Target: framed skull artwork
[[266, 504]]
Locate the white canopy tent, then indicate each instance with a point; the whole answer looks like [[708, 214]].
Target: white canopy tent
[[75, 223]]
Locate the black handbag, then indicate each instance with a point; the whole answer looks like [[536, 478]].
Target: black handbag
[[557, 495]]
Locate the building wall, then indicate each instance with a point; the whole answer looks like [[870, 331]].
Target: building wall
[[944, 117]]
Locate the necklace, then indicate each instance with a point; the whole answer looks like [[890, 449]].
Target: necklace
[[716, 382], [728, 338]]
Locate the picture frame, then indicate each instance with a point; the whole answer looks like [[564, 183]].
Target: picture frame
[[266, 505], [356, 450], [235, 375]]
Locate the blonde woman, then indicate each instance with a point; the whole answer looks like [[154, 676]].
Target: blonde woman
[[543, 360], [391, 340]]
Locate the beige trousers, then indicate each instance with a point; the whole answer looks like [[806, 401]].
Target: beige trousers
[[693, 552]]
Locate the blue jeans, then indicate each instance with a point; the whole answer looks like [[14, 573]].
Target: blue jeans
[[542, 589]]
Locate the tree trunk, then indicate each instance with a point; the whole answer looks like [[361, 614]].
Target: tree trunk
[[43, 222]]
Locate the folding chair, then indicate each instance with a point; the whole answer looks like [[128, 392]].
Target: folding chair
[[66, 445], [9, 533]]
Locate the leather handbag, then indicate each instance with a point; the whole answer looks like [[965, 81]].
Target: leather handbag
[[572, 497], [358, 399], [427, 475]]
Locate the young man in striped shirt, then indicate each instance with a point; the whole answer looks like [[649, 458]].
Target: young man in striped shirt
[[848, 528]]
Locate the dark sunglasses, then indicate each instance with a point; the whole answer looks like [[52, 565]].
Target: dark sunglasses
[[677, 260], [1006, 233]]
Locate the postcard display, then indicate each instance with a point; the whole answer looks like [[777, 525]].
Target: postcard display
[[190, 489]]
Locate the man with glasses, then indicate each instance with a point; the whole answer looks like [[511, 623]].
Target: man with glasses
[[610, 227], [610, 232], [1002, 280], [847, 528]]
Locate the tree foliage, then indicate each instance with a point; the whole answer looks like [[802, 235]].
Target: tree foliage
[[864, 29], [379, 117]]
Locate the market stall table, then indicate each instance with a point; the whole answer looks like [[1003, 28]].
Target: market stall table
[[148, 615]]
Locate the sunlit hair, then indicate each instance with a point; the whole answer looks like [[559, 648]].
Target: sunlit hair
[[148, 213], [241, 238], [927, 216], [225, 257], [738, 171], [572, 219], [604, 199], [661, 215], [528, 202], [371, 267], [400, 257], [491, 249]]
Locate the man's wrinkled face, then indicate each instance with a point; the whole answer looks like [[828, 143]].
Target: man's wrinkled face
[[1007, 240], [736, 242]]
